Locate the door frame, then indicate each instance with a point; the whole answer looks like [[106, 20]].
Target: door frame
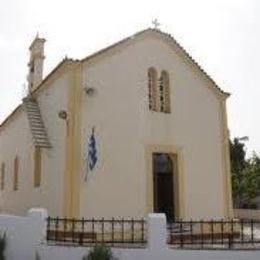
[[178, 181]]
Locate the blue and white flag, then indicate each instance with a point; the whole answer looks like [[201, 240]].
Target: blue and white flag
[[92, 151]]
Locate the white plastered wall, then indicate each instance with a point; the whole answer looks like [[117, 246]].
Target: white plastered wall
[[125, 128], [16, 139]]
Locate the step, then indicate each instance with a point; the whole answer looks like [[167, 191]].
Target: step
[[45, 145], [35, 120], [41, 141], [37, 125], [40, 137], [39, 133], [32, 107], [37, 116], [38, 130]]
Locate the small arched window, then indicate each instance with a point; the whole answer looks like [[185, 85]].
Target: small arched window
[[37, 166], [152, 88], [164, 93], [16, 172], [2, 176]]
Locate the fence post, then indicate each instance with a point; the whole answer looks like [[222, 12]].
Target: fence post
[[157, 231], [39, 218]]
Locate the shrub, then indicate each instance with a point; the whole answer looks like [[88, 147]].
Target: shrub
[[100, 252], [37, 257], [2, 246]]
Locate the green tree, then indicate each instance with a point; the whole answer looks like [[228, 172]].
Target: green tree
[[2, 246], [238, 164], [100, 252], [245, 175]]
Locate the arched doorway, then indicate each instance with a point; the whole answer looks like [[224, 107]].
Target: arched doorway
[[163, 184]]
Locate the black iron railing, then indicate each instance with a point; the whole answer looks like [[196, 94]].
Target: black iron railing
[[84, 232], [233, 234]]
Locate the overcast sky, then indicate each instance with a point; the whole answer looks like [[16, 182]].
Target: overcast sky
[[222, 35]]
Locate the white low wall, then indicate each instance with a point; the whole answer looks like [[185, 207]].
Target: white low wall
[[23, 234], [26, 236], [77, 253], [157, 248], [247, 213]]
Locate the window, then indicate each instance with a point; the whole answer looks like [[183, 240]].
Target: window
[[161, 95], [159, 91], [152, 88], [16, 169], [2, 176], [37, 166], [164, 89], [32, 66]]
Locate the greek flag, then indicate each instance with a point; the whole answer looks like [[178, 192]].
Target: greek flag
[[92, 151]]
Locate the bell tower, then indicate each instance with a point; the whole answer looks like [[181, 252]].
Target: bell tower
[[36, 63]]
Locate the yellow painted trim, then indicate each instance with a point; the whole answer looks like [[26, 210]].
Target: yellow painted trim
[[37, 166], [175, 151], [73, 146]]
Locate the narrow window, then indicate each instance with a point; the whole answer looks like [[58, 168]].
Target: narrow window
[[16, 169], [161, 95], [37, 166], [152, 88], [2, 176], [164, 93]]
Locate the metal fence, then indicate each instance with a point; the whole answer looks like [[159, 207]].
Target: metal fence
[[84, 232], [233, 234]]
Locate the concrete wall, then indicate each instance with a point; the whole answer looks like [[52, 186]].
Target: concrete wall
[[26, 236], [127, 133], [247, 213], [72, 253], [156, 249], [23, 234]]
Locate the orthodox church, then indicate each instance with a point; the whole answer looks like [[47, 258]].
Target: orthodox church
[[137, 127]]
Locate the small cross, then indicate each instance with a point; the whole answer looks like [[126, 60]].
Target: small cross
[[156, 23]]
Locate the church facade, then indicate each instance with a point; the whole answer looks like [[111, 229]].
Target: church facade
[[135, 128]]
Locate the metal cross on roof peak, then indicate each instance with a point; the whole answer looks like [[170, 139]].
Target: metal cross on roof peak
[[156, 23]]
